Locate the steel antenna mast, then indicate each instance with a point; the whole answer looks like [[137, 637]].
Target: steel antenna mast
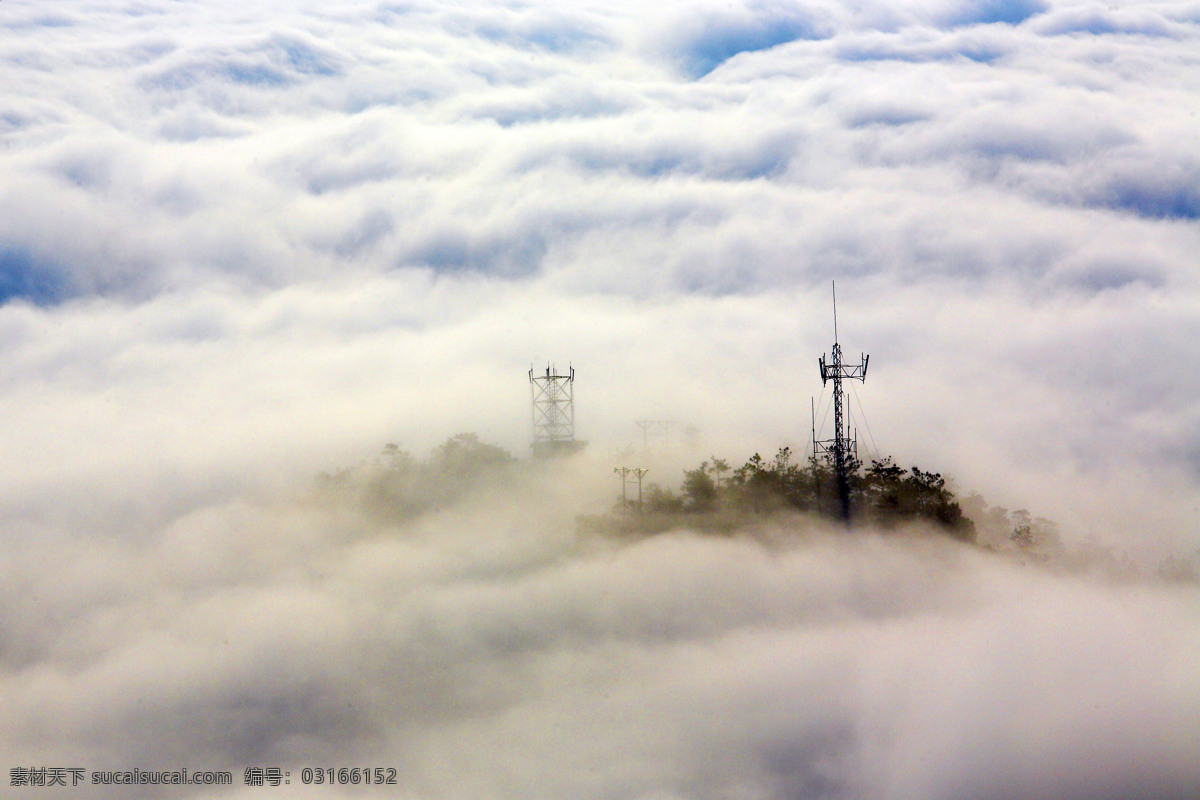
[[553, 396], [843, 445]]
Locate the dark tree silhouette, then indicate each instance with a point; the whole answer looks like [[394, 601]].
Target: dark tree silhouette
[[699, 491]]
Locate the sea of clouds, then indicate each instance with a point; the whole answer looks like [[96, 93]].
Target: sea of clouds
[[245, 243]]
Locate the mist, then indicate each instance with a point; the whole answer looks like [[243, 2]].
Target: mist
[[244, 247], [490, 648]]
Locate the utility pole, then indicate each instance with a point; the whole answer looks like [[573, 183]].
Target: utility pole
[[843, 445], [625, 472], [640, 472]]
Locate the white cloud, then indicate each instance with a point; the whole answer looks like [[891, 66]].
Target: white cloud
[[481, 654], [244, 243]]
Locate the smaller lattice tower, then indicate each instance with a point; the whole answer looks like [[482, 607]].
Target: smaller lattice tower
[[843, 447], [553, 397]]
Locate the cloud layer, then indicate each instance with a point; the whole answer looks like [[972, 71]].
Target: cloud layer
[[244, 243], [481, 651]]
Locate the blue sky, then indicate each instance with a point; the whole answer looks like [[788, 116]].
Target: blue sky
[[241, 243]]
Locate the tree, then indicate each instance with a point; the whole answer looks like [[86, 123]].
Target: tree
[[883, 491], [719, 466], [658, 499], [464, 453], [1035, 533], [885, 494], [699, 491], [935, 503], [755, 487], [396, 459], [820, 481], [1022, 532]]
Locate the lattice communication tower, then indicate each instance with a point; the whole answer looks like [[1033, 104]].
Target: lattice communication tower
[[844, 445], [553, 398]]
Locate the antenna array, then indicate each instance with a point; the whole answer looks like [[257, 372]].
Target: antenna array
[[844, 445]]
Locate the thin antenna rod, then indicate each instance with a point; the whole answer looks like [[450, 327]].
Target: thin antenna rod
[[835, 336]]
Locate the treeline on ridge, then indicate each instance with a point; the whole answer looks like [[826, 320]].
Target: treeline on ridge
[[883, 494], [713, 496], [398, 485], [717, 498]]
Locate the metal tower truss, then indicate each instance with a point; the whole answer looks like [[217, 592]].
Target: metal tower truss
[[844, 445], [553, 398]]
